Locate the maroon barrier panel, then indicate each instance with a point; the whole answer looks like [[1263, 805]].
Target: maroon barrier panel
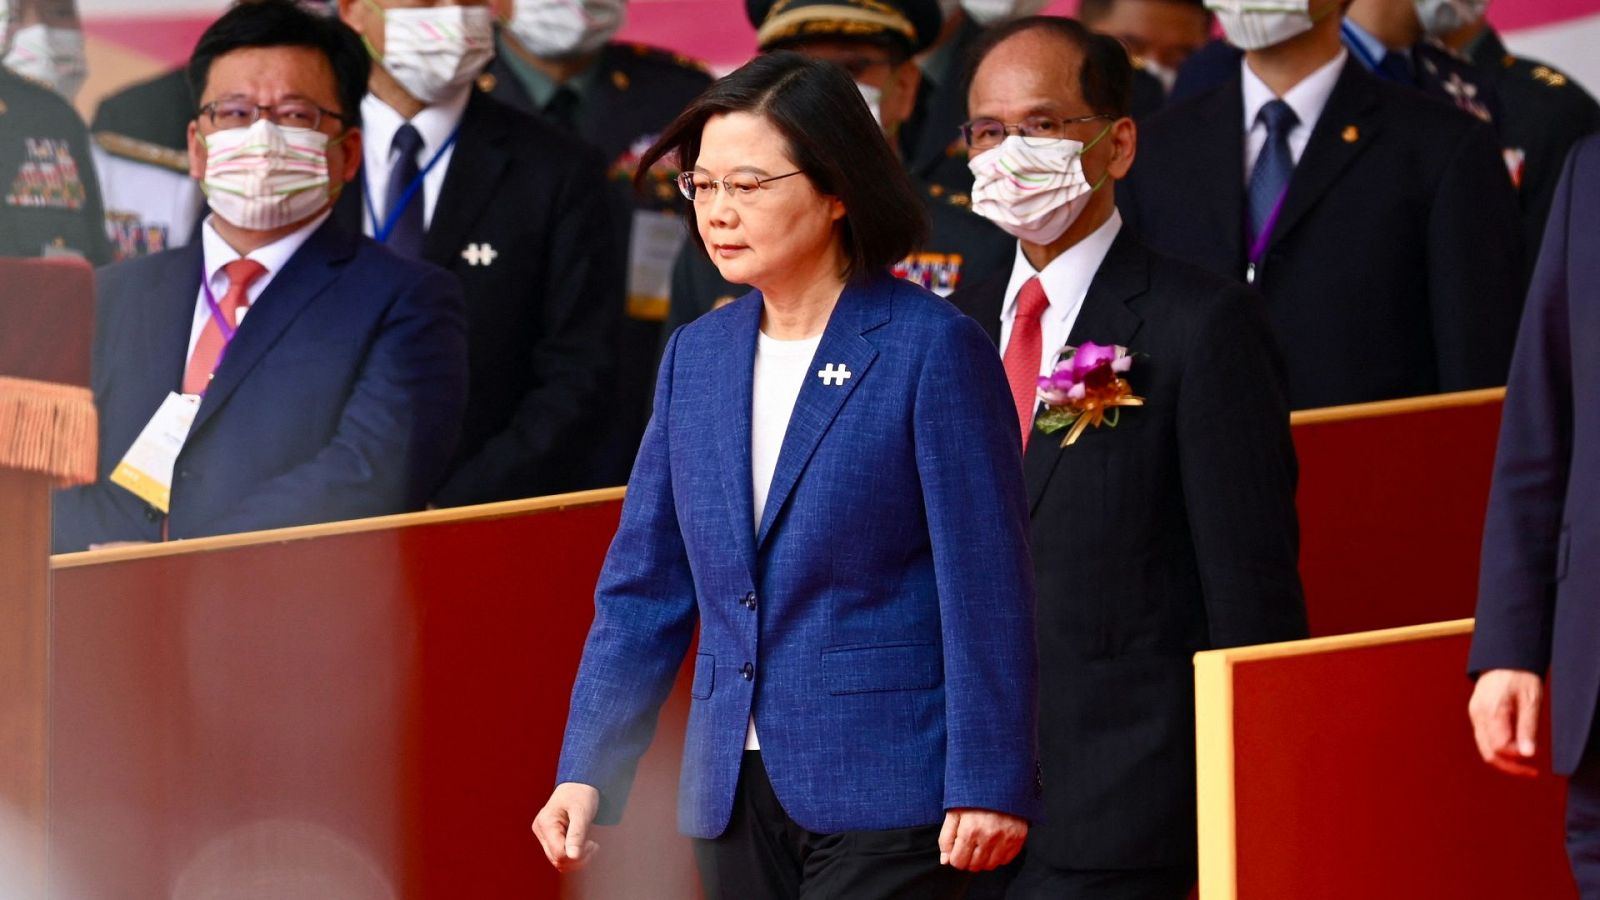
[[373, 713], [1391, 500]]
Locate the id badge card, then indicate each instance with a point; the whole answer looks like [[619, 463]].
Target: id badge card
[[653, 244], [146, 469]]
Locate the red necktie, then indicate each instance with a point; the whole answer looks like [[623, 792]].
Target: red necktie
[[208, 350], [1024, 352]]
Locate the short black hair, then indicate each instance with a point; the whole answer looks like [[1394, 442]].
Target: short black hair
[[282, 23], [1105, 78], [832, 138], [1093, 10]]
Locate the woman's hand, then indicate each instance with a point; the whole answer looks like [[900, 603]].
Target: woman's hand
[[562, 827], [977, 840]]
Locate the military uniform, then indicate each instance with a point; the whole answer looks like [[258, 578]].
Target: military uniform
[[621, 105], [49, 197], [962, 246], [141, 154], [1544, 113]]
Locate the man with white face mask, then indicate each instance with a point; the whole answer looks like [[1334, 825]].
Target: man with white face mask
[[1379, 223], [1173, 531], [556, 58], [516, 208], [281, 370], [49, 196], [1543, 111], [47, 45]]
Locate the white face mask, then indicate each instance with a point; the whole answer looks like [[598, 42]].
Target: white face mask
[[1440, 17], [434, 52], [1033, 191], [993, 12], [52, 55], [265, 177], [557, 29], [874, 98], [1254, 24]]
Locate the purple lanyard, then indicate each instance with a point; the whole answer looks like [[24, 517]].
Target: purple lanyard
[[1258, 247]]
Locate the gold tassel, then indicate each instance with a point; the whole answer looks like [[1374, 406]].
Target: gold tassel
[[49, 428]]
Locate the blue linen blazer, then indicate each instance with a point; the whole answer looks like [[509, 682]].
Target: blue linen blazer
[[878, 623], [342, 395]]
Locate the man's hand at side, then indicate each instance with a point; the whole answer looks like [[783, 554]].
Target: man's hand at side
[[562, 827], [977, 840], [1505, 719]]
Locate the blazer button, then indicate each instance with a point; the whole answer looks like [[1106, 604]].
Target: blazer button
[[749, 600], [151, 513], [748, 672]]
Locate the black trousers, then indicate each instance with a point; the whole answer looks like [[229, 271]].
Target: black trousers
[[764, 855], [1032, 879]]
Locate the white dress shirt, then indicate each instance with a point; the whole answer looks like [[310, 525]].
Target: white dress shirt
[[780, 372], [1306, 99], [379, 122], [1066, 282], [217, 253]]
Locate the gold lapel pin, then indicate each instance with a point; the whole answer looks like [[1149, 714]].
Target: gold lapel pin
[[1351, 134]]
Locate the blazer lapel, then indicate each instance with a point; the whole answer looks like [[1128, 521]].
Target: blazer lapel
[[307, 274], [732, 427], [1104, 319], [862, 307], [1345, 128], [1218, 167], [167, 330], [476, 162]]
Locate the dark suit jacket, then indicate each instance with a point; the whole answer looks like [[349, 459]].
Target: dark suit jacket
[[1172, 533], [541, 316], [1396, 264], [1538, 605], [340, 397]]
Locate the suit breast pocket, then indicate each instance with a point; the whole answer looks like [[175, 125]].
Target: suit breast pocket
[[311, 354], [866, 668]]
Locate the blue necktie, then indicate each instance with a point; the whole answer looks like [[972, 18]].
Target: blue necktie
[[1270, 177], [405, 236]]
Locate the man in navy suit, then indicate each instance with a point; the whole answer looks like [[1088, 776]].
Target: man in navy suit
[[1380, 225], [1537, 610], [1170, 533], [300, 373]]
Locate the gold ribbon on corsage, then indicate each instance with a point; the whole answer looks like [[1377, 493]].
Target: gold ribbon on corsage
[[1086, 390]]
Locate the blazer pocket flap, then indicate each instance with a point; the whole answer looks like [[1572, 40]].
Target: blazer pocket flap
[[705, 669], [882, 667]]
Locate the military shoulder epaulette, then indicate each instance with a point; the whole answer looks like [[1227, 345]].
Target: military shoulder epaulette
[[142, 151], [662, 55]]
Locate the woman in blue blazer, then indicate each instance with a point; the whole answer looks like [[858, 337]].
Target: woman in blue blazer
[[831, 487]]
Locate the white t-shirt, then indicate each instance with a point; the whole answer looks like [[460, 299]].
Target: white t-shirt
[[780, 371]]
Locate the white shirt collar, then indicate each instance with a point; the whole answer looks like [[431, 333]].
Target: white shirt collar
[[379, 122], [1307, 98], [1066, 278], [272, 257]]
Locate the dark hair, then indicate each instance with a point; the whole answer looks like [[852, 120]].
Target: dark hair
[[281, 23], [832, 138], [1105, 76], [1092, 10]]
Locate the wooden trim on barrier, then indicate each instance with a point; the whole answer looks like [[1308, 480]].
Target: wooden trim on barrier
[[350, 526], [1213, 689], [1396, 407]]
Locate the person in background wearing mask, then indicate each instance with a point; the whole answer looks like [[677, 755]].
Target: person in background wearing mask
[[1160, 34], [1543, 111], [47, 45], [49, 196], [1185, 538], [516, 208], [1379, 223], [556, 58], [142, 158], [282, 369], [874, 41]]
